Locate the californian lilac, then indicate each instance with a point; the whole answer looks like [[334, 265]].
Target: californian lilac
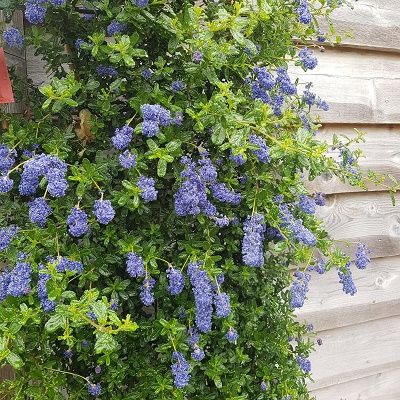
[[238, 160], [85, 344], [259, 93], [253, 241], [135, 265], [147, 73], [232, 335], [362, 256], [46, 304], [193, 337], [307, 58], [94, 389], [6, 184], [207, 170], [114, 305], [122, 137], [222, 221], [103, 211], [68, 353], [299, 289], [20, 279], [322, 104], [198, 353], [284, 81], [147, 190], [77, 222], [7, 158], [304, 363], [263, 386], [320, 199], [303, 12], [150, 128], [39, 210], [178, 119], [64, 264], [222, 305], [146, 294], [309, 97], [177, 86], [320, 267], [141, 3], [35, 11], [115, 27], [262, 153], [346, 279], [180, 370], [92, 315], [127, 159], [307, 204], [202, 290], [5, 277], [79, 43], [13, 37], [57, 185], [176, 281], [7, 234], [221, 192], [265, 79], [197, 57], [97, 370], [106, 71], [305, 120], [154, 116]]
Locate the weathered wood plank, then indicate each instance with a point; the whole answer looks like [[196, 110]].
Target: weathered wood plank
[[363, 217], [381, 154], [381, 386], [378, 286], [356, 351], [36, 68], [374, 24]]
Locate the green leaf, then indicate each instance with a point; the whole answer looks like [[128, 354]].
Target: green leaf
[[55, 322], [100, 310], [105, 343], [161, 167], [14, 360], [218, 135]]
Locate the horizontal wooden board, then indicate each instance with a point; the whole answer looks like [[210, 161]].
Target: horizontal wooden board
[[36, 68], [356, 351], [328, 307], [360, 86], [369, 218], [380, 154], [381, 386], [374, 24]]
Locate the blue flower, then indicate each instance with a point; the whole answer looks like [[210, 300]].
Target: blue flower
[[176, 281], [262, 153], [127, 159], [346, 279], [299, 289], [79, 43], [198, 353], [106, 71], [180, 370], [253, 241], [307, 58], [303, 12], [146, 294], [77, 222], [94, 389], [64, 264], [135, 265], [284, 82], [197, 57], [304, 363], [122, 137], [221, 192], [362, 256], [147, 73], [35, 12], [5, 277], [39, 210], [115, 27], [6, 184], [307, 204], [20, 279], [141, 3], [222, 305], [147, 190], [232, 336], [263, 386], [103, 211], [7, 158], [177, 86], [13, 37], [7, 234], [319, 199], [46, 304]]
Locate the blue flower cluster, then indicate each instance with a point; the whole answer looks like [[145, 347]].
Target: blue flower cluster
[[103, 211], [202, 290], [39, 210], [362, 256], [46, 304], [106, 71], [141, 3], [307, 58], [296, 227], [311, 99], [13, 37], [147, 190], [64, 264], [180, 370], [221, 193], [346, 279], [222, 305], [16, 282], [177, 86], [35, 11], [146, 294], [232, 335], [320, 199], [7, 234], [127, 160], [52, 168], [154, 116], [135, 265], [176, 281], [299, 289], [253, 241], [197, 56], [303, 12], [122, 137], [262, 153], [115, 27], [307, 204], [77, 222], [304, 363], [94, 389]]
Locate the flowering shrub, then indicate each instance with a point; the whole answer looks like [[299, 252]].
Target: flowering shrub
[[154, 202]]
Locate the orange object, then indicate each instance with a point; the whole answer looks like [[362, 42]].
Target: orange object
[[6, 93]]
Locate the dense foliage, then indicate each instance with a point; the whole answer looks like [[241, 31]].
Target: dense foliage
[[154, 201]]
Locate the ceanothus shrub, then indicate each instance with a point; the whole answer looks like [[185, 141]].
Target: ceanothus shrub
[[154, 201]]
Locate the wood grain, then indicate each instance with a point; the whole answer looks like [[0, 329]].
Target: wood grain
[[381, 386], [356, 351], [17, 22], [374, 24], [369, 218], [378, 286], [36, 68], [381, 153]]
